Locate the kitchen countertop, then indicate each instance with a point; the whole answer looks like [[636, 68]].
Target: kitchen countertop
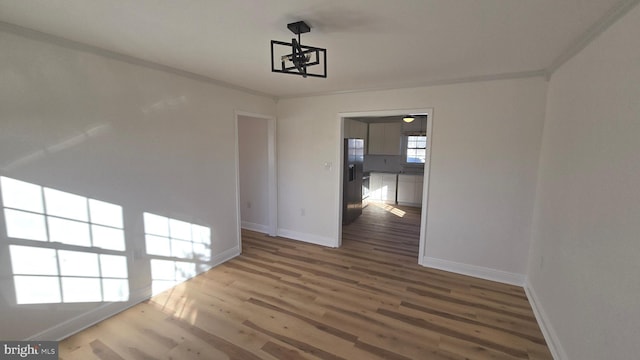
[[394, 172]]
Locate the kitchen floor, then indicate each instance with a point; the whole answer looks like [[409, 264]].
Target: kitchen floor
[[394, 229]]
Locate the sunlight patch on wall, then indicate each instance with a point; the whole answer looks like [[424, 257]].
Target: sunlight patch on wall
[[43, 275], [176, 238], [166, 237], [53, 272], [34, 213]]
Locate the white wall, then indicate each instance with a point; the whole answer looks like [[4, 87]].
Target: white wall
[[134, 136], [253, 171], [486, 138], [585, 252]]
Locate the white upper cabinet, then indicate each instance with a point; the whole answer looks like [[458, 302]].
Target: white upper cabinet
[[356, 129], [385, 138]]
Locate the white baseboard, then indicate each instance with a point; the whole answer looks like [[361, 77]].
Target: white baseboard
[[82, 321], [225, 256], [417, 205], [255, 227], [308, 238], [475, 271], [549, 333]]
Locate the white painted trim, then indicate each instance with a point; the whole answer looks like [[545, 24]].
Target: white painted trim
[[427, 167], [80, 322], [78, 46], [410, 204], [272, 174], [225, 256], [383, 113], [475, 271], [308, 238], [612, 16], [340, 178], [255, 227], [236, 157], [422, 245], [550, 335], [420, 84]]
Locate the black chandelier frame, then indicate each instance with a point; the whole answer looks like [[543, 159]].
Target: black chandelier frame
[[301, 56]]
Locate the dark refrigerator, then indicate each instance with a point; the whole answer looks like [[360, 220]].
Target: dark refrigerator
[[352, 180]]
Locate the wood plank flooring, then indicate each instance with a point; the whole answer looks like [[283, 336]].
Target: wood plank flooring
[[283, 299]]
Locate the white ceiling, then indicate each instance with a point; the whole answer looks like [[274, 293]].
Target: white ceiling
[[371, 44]]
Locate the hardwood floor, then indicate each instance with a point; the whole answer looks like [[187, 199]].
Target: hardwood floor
[[283, 299]]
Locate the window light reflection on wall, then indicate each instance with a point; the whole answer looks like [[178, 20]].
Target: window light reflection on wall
[[52, 273], [68, 218], [172, 238], [176, 238], [82, 276]]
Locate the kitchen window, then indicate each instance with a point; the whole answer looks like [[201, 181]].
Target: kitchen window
[[416, 149]]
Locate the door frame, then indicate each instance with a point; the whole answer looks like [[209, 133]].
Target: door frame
[[427, 168], [272, 184]]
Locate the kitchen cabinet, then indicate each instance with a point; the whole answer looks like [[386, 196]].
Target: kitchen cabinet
[[356, 129], [382, 187], [360, 129], [385, 138], [410, 189], [389, 186], [375, 186]]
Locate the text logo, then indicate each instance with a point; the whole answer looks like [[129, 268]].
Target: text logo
[[45, 350]]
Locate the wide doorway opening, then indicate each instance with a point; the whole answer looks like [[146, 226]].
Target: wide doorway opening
[[384, 181]]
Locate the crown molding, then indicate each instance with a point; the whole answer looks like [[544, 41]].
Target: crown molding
[[469, 79], [79, 46], [612, 16]]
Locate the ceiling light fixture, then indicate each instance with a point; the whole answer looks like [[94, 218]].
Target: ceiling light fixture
[[408, 118], [295, 58]]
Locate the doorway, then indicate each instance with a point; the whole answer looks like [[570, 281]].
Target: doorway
[[343, 124], [256, 186]]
